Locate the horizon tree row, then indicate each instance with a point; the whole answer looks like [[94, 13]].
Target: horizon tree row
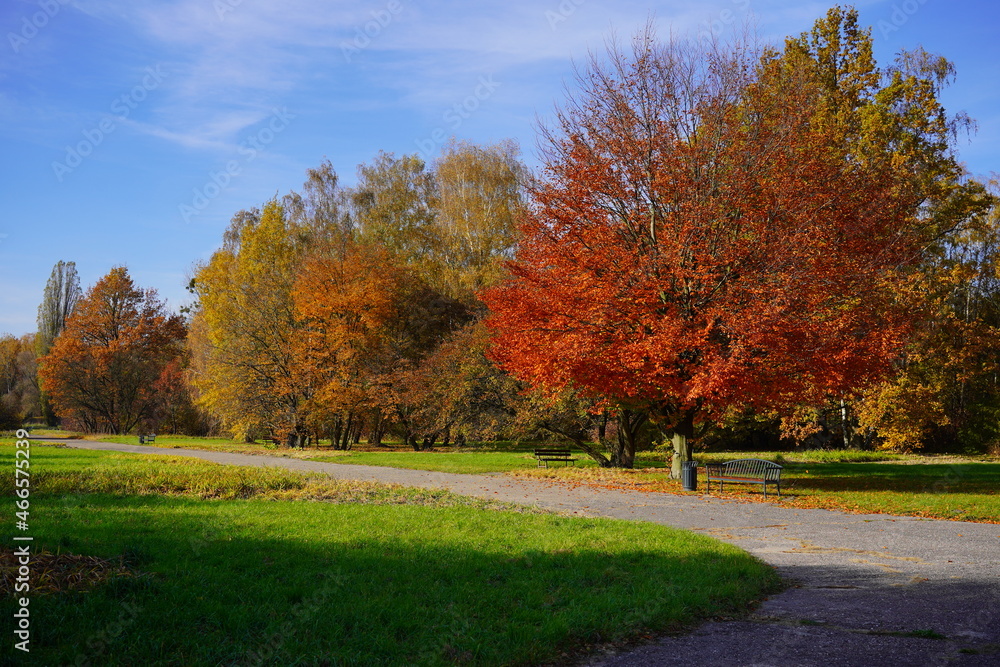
[[735, 230]]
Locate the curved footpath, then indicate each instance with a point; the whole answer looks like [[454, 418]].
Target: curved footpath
[[863, 584]]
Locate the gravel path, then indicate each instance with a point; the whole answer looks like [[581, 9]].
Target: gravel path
[[865, 587]]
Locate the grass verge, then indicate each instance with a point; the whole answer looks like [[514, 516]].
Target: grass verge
[[472, 463], [856, 481], [931, 487], [203, 564]]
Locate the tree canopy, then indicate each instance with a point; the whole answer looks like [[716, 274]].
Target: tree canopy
[[725, 228], [103, 368]]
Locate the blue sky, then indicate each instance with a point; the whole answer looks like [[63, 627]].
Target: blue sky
[[132, 130]]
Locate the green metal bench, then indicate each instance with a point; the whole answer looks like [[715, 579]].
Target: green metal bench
[[744, 471], [553, 454]]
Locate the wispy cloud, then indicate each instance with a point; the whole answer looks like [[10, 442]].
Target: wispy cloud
[[234, 60], [193, 140]]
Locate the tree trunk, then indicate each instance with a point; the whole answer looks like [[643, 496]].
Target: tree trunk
[[683, 432], [845, 424], [347, 431], [624, 445], [378, 431], [338, 428]]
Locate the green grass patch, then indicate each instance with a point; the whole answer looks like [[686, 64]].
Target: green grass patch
[[467, 462], [191, 442], [964, 491], [70, 471], [473, 459], [858, 481], [811, 456], [907, 485], [206, 564]]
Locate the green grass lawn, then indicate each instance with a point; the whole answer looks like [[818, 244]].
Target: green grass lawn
[[965, 491], [171, 561], [871, 482], [859, 481], [470, 462], [191, 442], [479, 459]]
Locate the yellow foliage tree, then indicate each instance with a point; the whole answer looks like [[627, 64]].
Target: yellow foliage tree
[[245, 325], [480, 201]]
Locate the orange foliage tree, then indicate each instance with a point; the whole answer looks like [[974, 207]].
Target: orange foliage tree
[[104, 368], [244, 327], [708, 233], [366, 322]]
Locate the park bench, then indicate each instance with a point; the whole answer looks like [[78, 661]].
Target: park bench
[[550, 454], [143, 439], [744, 471]]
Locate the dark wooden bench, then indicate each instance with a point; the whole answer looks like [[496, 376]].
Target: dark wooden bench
[[143, 439], [553, 454], [744, 471]]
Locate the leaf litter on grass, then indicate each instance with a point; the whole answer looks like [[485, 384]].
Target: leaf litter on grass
[[62, 572]]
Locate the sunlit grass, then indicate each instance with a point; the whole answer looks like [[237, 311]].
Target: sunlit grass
[[83, 471], [934, 487], [469, 462], [944, 487]]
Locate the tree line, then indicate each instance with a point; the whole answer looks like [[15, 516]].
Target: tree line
[[724, 245]]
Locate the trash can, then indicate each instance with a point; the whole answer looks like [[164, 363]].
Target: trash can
[[689, 475]]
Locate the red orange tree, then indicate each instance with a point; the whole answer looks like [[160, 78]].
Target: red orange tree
[[713, 231], [104, 367]]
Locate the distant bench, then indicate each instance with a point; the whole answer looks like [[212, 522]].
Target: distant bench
[[549, 454], [744, 471], [144, 439]]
